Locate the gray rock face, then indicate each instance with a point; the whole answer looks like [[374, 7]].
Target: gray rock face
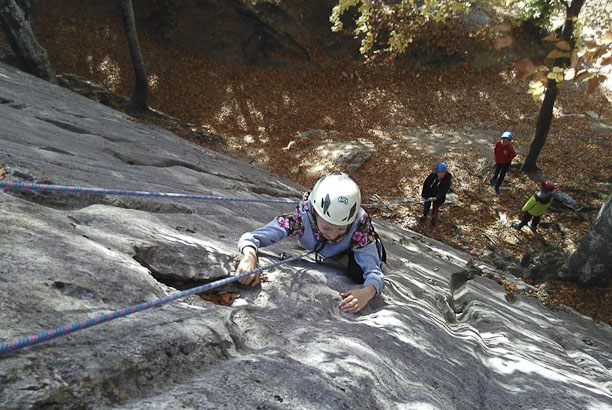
[[591, 264], [180, 262], [437, 337]]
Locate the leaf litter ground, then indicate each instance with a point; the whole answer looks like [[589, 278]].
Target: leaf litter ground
[[413, 119]]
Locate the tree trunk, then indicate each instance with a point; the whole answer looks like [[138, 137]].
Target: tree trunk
[[542, 126], [591, 264], [139, 98], [31, 56], [546, 109]]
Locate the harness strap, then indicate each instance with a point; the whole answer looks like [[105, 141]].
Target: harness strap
[[383, 252], [318, 248]]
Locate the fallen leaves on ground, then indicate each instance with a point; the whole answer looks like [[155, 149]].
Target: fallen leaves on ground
[[221, 298], [593, 301], [260, 110]]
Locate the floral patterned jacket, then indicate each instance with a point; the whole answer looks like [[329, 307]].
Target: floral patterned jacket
[[359, 238]]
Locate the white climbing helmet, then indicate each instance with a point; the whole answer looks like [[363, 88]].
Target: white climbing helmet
[[336, 198]]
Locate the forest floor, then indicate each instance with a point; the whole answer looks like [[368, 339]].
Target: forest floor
[[411, 120]]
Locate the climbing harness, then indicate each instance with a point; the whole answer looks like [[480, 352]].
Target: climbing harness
[[68, 189], [17, 344]]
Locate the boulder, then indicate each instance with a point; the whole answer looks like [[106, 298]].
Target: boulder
[[591, 264], [311, 133], [351, 155], [563, 202]]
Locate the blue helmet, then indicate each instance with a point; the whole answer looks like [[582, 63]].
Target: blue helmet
[[441, 167], [507, 134]]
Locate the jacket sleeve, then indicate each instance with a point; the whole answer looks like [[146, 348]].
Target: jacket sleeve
[[444, 187], [512, 151], [262, 237], [279, 228], [368, 259], [529, 204], [425, 184]]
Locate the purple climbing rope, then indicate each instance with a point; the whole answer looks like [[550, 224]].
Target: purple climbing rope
[[17, 344], [26, 186]]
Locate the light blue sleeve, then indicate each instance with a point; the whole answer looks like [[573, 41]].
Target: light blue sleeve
[[369, 260], [262, 237]]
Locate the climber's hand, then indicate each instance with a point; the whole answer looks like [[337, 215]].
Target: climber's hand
[[248, 262], [356, 299]]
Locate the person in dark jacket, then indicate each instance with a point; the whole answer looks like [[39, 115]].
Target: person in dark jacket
[[504, 153], [536, 206], [434, 191]]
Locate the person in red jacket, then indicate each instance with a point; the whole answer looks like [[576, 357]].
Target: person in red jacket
[[504, 153]]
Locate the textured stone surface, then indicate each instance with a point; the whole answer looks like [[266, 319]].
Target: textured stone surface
[[562, 201], [349, 155], [438, 337], [591, 265]]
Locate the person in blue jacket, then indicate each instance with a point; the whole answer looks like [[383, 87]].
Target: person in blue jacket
[[331, 221]]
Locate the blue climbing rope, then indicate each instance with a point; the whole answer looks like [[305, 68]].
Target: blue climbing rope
[[17, 344], [26, 186]]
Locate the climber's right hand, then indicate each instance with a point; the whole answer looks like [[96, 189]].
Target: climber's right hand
[[249, 262]]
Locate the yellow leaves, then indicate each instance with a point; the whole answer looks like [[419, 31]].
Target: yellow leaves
[[537, 90], [606, 39], [502, 42], [557, 54], [440, 17], [366, 43], [459, 7], [337, 26], [338, 11], [398, 41], [556, 74], [400, 21]]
